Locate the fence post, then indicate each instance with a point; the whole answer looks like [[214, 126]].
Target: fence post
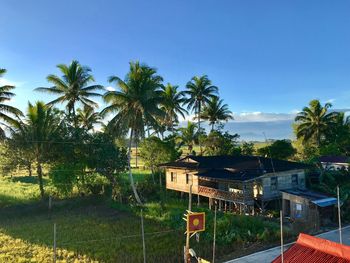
[[143, 238], [214, 237], [54, 243]]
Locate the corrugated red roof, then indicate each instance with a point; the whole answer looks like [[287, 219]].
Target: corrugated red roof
[[317, 250]]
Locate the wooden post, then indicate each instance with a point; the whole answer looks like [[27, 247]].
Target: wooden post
[[187, 249], [54, 243], [281, 225], [143, 238], [339, 217], [214, 236]]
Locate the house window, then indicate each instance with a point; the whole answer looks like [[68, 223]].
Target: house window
[[173, 177], [298, 210], [294, 179], [274, 183], [188, 178]]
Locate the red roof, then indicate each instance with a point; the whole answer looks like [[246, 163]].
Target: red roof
[[314, 249]]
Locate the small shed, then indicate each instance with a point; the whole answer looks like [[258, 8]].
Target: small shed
[[308, 206]]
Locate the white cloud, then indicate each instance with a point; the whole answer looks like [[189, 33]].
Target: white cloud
[[258, 116], [330, 101], [109, 88]]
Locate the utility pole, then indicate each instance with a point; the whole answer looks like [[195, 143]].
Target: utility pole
[[187, 250], [281, 226], [54, 243], [339, 217], [143, 238], [214, 236]]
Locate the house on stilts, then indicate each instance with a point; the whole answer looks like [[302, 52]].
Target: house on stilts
[[237, 183]]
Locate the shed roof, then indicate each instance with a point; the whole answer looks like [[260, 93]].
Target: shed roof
[[314, 249], [334, 159]]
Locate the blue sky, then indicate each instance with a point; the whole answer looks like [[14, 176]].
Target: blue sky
[[265, 56]]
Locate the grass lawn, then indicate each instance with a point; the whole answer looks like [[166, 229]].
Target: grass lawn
[[94, 229]]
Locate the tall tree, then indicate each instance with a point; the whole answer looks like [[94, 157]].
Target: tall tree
[[199, 91], [136, 104], [215, 112], [88, 118], [8, 114], [188, 136], [36, 134], [73, 87], [313, 121], [173, 105]]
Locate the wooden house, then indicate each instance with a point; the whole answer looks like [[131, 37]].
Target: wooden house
[[236, 182]]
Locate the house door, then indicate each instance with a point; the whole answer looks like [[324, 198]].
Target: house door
[[286, 208]]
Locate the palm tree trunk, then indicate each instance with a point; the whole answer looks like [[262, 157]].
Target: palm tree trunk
[[30, 169], [131, 178], [136, 154], [199, 126], [212, 126], [40, 177]]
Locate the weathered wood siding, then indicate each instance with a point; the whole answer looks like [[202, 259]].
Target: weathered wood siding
[[180, 183], [273, 183]]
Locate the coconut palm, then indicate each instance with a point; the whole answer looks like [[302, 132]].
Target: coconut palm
[[199, 91], [173, 105], [8, 114], [313, 121], [88, 118], [136, 104], [36, 133], [215, 112], [188, 136], [73, 87]]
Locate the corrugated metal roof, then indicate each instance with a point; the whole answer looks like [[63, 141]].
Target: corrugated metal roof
[[317, 250], [325, 202]]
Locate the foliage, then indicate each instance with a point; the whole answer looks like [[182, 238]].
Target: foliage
[[188, 136], [313, 122], [247, 148], [64, 177], [8, 114], [215, 112], [155, 151], [279, 149], [218, 143], [172, 105]]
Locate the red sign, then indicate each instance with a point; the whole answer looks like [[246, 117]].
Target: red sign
[[195, 222]]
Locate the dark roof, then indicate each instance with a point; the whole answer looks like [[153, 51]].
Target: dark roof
[[225, 174], [233, 167], [239, 163], [307, 194], [334, 159], [315, 249]]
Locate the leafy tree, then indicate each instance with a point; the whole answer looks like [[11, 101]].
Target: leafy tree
[[279, 149], [215, 112], [73, 87], [36, 134], [173, 105], [88, 118], [107, 159], [199, 91], [247, 148], [136, 104], [218, 143], [188, 136], [8, 114], [314, 121], [155, 151]]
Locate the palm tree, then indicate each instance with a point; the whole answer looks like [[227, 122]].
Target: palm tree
[[36, 133], [8, 114], [313, 121], [199, 92], [136, 104], [215, 112], [173, 101], [73, 87], [188, 136], [88, 118]]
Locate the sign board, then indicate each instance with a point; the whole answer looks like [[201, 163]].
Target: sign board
[[195, 222]]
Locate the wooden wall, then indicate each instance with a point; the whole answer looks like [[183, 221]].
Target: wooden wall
[[180, 183]]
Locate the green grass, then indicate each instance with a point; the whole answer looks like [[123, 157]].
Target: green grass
[[94, 229]]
